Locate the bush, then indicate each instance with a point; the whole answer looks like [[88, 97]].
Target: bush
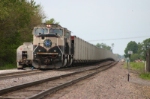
[[7, 66]]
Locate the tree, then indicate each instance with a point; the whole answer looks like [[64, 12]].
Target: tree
[[98, 45], [139, 50], [51, 21], [112, 46], [135, 57], [145, 45], [17, 19], [131, 46], [104, 46]]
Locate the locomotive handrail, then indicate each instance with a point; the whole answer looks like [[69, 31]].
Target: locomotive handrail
[[35, 49], [59, 47], [39, 53]]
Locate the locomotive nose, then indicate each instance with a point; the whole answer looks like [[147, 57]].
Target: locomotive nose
[[47, 61], [47, 43]]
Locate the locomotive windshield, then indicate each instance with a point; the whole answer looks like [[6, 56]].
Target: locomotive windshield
[[58, 32], [42, 31], [39, 31]]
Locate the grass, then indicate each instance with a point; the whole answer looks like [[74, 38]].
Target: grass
[[145, 76], [135, 65], [7, 66], [139, 67]]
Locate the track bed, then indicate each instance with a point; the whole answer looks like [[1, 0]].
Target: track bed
[[39, 89]]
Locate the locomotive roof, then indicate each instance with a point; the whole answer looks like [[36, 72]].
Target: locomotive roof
[[52, 26]]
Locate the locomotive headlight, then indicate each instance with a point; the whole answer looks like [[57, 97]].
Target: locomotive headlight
[[47, 43]]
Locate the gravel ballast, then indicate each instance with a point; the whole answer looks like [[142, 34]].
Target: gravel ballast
[[5, 83], [109, 84], [21, 80]]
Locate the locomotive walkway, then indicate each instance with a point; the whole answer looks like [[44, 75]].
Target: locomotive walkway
[[110, 84]]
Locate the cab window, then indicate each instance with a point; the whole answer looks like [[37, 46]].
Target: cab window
[[58, 32], [67, 35], [38, 31]]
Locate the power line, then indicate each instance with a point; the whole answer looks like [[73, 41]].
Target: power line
[[120, 38]]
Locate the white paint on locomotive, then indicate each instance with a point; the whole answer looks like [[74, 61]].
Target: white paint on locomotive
[[24, 54]]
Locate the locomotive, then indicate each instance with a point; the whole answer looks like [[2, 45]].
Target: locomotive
[[54, 47]]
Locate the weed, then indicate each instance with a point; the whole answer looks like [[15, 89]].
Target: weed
[[139, 67], [135, 66], [145, 76]]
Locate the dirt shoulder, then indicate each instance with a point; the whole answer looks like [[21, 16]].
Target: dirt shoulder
[[110, 84], [140, 84]]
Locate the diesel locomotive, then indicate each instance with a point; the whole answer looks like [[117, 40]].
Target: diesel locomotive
[[54, 47]]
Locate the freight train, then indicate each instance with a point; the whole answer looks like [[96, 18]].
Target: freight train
[[53, 46]]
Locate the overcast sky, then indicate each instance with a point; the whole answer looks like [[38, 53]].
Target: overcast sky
[[102, 21]]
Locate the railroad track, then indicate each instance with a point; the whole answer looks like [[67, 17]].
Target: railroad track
[[33, 72], [83, 66], [39, 89], [19, 74]]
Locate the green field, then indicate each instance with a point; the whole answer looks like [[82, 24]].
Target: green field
[[139, 67], [145, 76]]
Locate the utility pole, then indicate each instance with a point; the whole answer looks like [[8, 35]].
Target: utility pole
[[148, 60], [129, 53]]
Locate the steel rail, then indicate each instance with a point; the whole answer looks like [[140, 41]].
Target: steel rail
[[61, 86], [43, 93], [11, 73], [18, 74], [33, 72]]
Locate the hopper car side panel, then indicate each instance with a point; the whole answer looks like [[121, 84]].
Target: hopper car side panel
[[85, 52]]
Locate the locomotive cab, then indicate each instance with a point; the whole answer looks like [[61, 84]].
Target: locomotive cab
[[24, 55], [51, 46]]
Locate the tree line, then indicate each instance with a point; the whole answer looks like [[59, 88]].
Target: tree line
[[17, 19], [138, 49], [104, 46]]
